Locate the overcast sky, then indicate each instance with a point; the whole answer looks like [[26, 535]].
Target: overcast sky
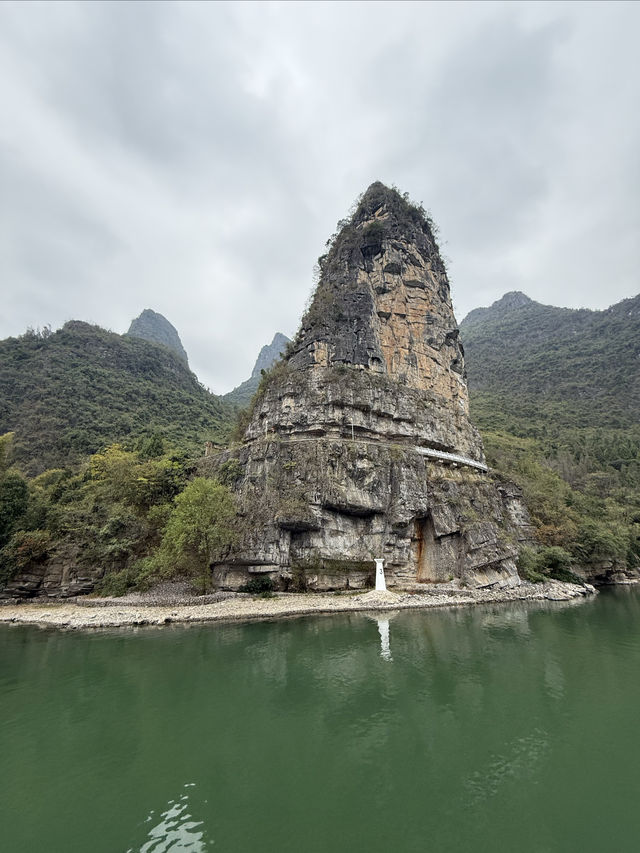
[[194, 158]]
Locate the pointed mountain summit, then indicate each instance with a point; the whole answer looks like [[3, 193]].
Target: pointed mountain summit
[[532, 356], [359, 443], [508, 303], [380, 338], [151, 326], [270, 353]]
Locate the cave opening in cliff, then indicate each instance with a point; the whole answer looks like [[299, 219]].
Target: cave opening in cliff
[[425, 551]]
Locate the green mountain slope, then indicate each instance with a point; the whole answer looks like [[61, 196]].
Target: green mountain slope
[[581, 366], [556, 394], [68, 394]]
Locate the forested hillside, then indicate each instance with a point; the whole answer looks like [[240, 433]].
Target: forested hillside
[[116, 425], [556, 394], [582, 367], [69, 393]]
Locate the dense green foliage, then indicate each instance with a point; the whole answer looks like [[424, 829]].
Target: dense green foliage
[[580, 366], [70, 393], [259, 585], [14, 502], [241, 395], [556, 395], [132, 515], [199, 530]]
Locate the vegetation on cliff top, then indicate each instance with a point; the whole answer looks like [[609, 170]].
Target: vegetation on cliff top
[[381, 214]]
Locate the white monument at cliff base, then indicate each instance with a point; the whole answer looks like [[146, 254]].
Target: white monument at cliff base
[[381, 586]]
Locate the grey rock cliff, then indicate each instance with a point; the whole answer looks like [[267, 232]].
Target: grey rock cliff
[[346, 456], [151, 326]]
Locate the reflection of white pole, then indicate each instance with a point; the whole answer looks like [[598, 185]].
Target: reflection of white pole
[[383, 628], [380, 582]]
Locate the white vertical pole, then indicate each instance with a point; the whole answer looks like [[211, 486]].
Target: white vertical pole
[[381, 585]]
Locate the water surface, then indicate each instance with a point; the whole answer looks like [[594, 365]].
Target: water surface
[[513, 727]]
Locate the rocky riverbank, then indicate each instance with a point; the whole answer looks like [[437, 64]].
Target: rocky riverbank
[[174, 604]]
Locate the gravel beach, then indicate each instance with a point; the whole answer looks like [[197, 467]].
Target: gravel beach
[[173, 603]]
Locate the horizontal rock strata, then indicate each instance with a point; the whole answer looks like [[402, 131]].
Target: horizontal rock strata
[[339, 463]]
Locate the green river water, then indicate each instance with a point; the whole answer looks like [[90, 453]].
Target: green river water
[[504, 728]]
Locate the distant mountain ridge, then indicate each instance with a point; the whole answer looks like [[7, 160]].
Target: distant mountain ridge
[[267, 357], [508, 302], [584, 361], [69, 393], [151, 326], [556, 394]]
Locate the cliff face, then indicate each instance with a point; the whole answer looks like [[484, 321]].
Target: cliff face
[[151, 326], [347, 455]]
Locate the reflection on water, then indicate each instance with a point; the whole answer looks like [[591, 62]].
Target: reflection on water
[[383, 620], [175, 831], [385, 648]]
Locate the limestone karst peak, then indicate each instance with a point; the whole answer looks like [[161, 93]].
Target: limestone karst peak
[[382, 214], [345, 452], [269, 354], [382, 302], [153, 327], [512, 301]]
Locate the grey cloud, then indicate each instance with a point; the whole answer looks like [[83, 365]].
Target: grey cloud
[[193, 158]]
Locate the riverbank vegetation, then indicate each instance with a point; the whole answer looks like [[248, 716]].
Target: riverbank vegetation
[[135, 511], [582, 488], [138, 511], [556, 395], [100, 473]]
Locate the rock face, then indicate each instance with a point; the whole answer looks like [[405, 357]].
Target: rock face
[[348, 452], [151, 326], [269, 354]]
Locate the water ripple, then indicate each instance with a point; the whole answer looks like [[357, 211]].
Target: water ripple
[[175, 831], [521, 761]]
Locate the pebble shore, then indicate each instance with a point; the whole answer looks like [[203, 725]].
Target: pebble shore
[[176, 605]]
